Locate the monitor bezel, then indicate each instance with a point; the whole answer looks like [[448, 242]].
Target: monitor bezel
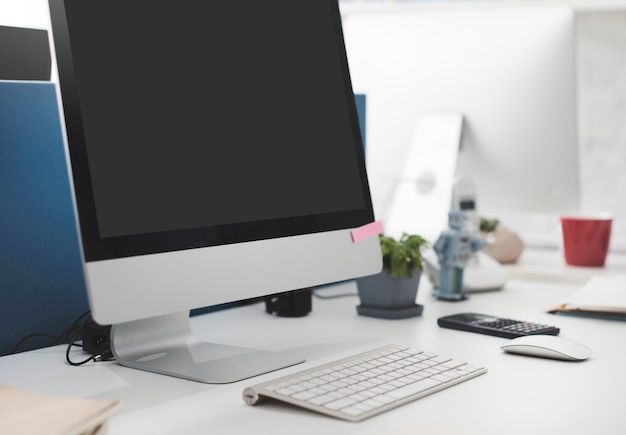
[[96, 248]]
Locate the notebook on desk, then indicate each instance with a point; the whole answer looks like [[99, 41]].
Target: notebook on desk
[[26, 413], [602, 297]]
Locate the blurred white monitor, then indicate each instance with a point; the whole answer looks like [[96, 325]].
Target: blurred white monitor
[[509, 71]]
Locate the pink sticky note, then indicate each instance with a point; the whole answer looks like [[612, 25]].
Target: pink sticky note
[[368, 230]]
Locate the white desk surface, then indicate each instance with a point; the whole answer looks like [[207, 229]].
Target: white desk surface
[[518, 394]]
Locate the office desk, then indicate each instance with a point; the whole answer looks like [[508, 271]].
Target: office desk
[[517, 395]]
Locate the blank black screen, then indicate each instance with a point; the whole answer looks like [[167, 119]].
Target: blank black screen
[[197, 114]]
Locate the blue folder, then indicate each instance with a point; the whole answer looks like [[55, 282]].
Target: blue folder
[[42, 288], [361, 101]]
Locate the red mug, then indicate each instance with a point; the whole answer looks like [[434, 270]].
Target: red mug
[[586, 239]]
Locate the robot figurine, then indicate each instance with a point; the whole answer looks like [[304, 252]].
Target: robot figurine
[[454, 248]]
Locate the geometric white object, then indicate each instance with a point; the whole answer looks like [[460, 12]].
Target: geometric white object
[[421, 197]]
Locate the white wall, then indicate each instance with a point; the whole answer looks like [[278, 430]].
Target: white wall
[[24, 13], [602, 114]]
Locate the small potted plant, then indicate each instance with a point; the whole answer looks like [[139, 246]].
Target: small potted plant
[[391, 293]]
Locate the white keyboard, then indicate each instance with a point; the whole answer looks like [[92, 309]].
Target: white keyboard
[[366, 384]]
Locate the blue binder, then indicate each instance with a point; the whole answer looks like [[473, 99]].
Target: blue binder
[[42, 287], [361, 101]]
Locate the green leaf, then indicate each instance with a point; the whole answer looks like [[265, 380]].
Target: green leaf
[[488, 225], [402, 257]]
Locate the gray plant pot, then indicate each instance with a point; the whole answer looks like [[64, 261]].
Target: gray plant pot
[[386, 297]]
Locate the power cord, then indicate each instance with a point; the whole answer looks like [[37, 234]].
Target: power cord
[[333, 296], [336, 296], [55, 339], [95, 340]]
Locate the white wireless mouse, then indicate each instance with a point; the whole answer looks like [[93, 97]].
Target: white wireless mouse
[[548, 346]]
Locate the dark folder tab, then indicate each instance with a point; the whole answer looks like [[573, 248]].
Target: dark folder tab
[[24, 54]]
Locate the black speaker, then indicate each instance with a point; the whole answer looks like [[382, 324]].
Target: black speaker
[[296, 303]]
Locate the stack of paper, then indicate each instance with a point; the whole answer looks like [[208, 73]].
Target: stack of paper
[[24, 413], [602, 296]]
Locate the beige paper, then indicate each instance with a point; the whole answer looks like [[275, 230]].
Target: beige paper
[[24, 413]]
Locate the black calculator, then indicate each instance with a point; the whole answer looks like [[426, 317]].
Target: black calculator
[[493, 325]]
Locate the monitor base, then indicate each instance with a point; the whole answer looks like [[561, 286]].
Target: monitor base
[[166, 345]]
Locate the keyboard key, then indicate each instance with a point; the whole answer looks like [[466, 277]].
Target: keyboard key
[[414, 388]]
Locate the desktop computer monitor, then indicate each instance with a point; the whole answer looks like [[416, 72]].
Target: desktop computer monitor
[[215, 155], [508, 70]]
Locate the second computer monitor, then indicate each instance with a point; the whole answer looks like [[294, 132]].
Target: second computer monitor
[[509, 71]]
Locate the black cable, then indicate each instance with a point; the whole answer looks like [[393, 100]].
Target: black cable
[[335, 296], [56, 339], [78, 326], [68, 331], [94, 357], [69, 337]]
